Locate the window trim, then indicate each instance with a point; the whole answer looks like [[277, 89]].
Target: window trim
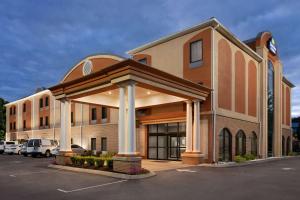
[[190, 52]]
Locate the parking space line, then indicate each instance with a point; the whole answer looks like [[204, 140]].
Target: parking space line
[[186, 170], [27, 173], [90, 187]]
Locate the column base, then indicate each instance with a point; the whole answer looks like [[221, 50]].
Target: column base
[[192, 158], [128, 164], [64, 158]]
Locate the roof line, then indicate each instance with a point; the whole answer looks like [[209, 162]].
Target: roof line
[[27, 97], [213, 22]]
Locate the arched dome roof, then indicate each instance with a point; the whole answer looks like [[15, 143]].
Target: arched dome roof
[[91, 64]]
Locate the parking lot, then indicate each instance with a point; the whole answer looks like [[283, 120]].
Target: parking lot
[[30, 178]]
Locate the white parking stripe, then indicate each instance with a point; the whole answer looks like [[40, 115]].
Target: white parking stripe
[[86, 188], [28, 173], [185, 170]]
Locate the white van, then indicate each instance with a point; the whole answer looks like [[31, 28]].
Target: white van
[[6, 146], [43, 147]]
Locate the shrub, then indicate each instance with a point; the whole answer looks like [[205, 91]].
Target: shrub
[[240, 159], [77, 161], [89, 161], [249, 156], [98, 162], [292, 154]]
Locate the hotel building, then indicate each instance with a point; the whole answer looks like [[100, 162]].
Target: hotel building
[[199, 95]]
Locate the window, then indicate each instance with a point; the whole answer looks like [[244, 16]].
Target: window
[[10, 111], [14, 110], [254, 144], [41, 103], [93, 144], [41, 121], [24, 107], [47, 121], [195, 53], [24, 124], [240, 143], [225, 145], [10, 126], [103, 144], [14, 125], [104, 113], [143, 61], [72, 118], [270, 107], [46, 101], [94, 114]]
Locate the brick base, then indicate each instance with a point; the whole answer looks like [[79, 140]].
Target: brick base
[[64, 158], [192, 158], [127, 164]]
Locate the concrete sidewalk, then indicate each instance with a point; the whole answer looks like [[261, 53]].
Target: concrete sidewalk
[[162, 165]]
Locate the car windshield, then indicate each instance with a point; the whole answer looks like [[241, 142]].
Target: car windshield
[[10, 143], [75, 146]]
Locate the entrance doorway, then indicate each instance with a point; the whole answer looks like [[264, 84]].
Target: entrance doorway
[[166, 141]]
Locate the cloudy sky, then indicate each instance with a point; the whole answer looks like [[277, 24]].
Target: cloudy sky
[[41, 40]]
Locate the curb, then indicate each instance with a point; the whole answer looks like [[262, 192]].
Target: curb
[[103, 173], [251, 162]]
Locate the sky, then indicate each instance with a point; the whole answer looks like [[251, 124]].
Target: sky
[[41, 40]]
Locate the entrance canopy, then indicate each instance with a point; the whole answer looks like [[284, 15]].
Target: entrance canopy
[[153, 86], [127, 85]]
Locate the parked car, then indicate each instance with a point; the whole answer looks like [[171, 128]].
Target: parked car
[[43, 147], [10, 146], [1, 147], [23, 150], [75, 148]]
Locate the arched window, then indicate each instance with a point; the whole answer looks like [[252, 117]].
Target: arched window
[[240, 143], [225, 145], [283, 146], [288, 145], [254, 144], [270, 107]]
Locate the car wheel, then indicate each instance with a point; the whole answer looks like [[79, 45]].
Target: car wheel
[[19, 152], [47, 154]]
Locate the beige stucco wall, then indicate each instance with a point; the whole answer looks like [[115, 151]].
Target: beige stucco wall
[[168, 56]]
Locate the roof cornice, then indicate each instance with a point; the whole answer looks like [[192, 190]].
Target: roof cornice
[[214, 23]]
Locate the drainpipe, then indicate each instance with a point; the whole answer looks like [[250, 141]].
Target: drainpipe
[[213, 93], [54, 119], [81, 108]]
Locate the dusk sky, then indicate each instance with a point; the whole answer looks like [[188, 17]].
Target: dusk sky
[[41, 40]]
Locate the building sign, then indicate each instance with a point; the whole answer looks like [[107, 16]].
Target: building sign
[[271, 44]]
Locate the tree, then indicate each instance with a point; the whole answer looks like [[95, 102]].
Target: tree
[[2, 118]]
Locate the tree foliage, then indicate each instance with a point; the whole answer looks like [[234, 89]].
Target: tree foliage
[[2, 118]]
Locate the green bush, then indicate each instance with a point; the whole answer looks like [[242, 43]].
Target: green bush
[[240, 159], [89, 161], [249, 156], [77, 161], [293, 154], [94, 161]]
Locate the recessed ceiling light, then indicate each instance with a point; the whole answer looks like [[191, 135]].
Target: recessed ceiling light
[[109, 92], [148, 92]]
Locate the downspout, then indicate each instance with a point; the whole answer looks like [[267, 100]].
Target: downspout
[[54, 119], [81, 108], [213, 93]]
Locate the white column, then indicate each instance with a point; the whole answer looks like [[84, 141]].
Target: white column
[[65, 130], [121, 124], [131, 127], [189, 126], [196, 127]]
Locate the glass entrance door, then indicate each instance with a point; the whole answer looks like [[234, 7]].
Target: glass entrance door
[[166, 141]]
